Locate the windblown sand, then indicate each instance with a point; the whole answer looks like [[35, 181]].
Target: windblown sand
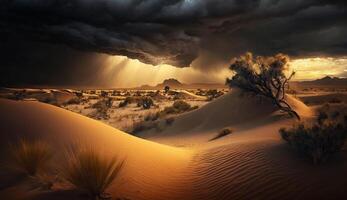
[[251, 163]]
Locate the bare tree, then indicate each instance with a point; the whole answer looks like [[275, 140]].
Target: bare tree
[[263, 76]]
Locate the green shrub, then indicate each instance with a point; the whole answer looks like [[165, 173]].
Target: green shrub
[[89, 171], [320, 140]]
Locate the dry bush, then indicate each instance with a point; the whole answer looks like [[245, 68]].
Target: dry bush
[[29, 157], [102, 106], [152, 116], [89, 171], [222, 133], [143, 126], [320, 140], [263, 76], [169, 121], [213, 94], [145, 102], [177, 107]]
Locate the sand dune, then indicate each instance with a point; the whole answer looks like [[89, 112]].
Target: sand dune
[[149, 166], [251, 163], [327, 98], [231, 109]]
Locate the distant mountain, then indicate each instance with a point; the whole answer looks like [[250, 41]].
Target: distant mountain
[[175, 84], [172, 83], [326, 81]]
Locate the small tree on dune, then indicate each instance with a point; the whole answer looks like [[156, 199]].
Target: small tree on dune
[[263, 76]]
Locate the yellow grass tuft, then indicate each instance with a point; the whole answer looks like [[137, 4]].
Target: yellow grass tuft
[[29, 156], [91, 172]]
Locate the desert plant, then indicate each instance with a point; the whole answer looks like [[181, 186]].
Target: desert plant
[[320, 140], [145, 102], [169, 121], [263, 76], [90, 172], [102, 106], [29, 157], [126, 101], [166, 89], [152, 116], [222, 133], [181, 105], [212, 94]]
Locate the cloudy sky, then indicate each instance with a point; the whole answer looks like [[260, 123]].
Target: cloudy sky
[[120, 43]]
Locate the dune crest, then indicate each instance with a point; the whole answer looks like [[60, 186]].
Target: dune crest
[[233, 108]]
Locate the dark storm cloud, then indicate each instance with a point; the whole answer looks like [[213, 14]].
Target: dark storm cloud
[[177, 32]]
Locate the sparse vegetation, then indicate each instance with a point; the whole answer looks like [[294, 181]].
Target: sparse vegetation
[[222, 133], [177, 107], [29, 157], [143, 126], [90, 172], [145, 102], [265, 77], [169, 121], [213, 94], [320, 140], [102, 106]]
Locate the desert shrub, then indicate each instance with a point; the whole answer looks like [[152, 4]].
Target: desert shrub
[[212, 94], [145, 102], [125, 102], [320, 140], [177, 107], [103, 94], [222, 133], [335, 100], [102, 106], [152, 116], [18, 95], [29, 157], [263, 76], [143, 126], [181, 106], [169, 121], [89, 171], [75, 100], [42, 181]]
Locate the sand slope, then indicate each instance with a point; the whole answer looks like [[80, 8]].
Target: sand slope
[[251, 163], [231, 109], [149, 166]]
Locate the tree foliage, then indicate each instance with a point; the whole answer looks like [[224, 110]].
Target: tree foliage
[[263, 76]]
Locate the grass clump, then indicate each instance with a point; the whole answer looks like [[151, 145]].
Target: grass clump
[[222, 133], [145, 102], [90, 172], [320, 140], [178, 107], [29, 157]]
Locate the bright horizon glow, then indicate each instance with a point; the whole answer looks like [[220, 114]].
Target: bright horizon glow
[[317, 67], [124, 72]]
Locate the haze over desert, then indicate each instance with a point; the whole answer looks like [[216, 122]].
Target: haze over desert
[[167, 100]]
